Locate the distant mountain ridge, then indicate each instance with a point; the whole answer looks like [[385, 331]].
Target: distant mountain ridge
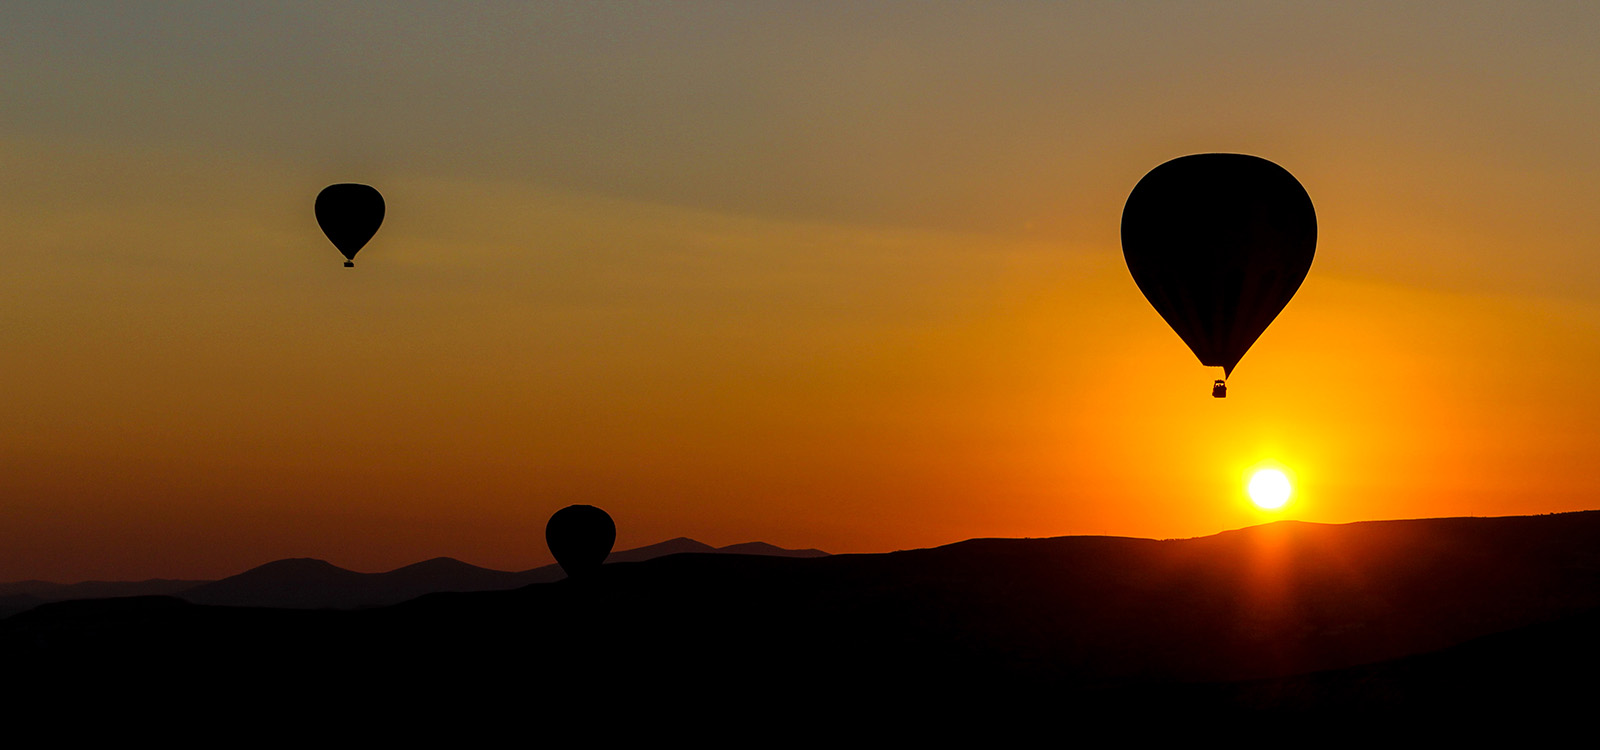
[[1344, 621], [306, 583]]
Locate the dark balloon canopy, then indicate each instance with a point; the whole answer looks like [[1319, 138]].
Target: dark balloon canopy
[[349, 214], [580, 537], [1219, 243]]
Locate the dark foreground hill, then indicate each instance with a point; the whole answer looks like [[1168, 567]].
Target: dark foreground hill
[[1289, 619]]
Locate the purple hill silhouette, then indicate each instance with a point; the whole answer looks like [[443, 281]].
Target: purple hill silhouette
[[767, 550], [315, 584], [678, 546], [304, 583], [25, 595]]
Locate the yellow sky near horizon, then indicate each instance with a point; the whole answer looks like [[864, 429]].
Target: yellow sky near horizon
[[732, 289]]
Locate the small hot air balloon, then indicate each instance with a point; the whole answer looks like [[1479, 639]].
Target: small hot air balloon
[[349, 214], [1219, 243], [580, 537]]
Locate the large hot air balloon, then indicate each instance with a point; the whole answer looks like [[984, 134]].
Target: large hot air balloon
[[349, 214], [580, 537], [1219, 243]]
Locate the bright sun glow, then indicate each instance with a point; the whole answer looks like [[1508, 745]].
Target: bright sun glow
[[1269, 489]]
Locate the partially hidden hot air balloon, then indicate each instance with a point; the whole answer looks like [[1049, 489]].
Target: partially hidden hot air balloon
[[580, 537], [349, 214], [1219, 243]]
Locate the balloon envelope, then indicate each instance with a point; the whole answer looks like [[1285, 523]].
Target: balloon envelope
[[1219, 243], [580, 537], [349, 214]]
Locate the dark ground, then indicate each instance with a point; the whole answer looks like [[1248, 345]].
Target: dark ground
[[1443, 622]]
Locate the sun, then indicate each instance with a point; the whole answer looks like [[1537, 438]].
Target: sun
[[1269, 489]]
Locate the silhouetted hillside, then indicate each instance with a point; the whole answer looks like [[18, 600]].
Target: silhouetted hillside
[[685, 545], [25, 595], [304, 583], [1540, 676], [314, 584], [678, 546], [10, 605], [95, 589], [762, 548], [1072, 626]]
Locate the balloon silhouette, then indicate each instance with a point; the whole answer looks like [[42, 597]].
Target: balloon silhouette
[[349, 214], [580, 536], [1219, 243]]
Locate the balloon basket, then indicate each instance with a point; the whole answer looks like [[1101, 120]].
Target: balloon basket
[[1219, 389], [349, 264]]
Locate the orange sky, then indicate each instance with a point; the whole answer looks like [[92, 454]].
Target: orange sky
[[834, 276]]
